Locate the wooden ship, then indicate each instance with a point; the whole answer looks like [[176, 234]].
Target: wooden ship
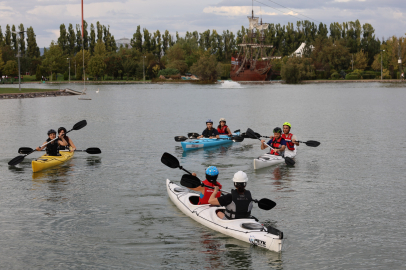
[[252, 63]]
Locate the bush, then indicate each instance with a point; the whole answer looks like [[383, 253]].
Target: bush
[[387, 77], [368, 76], [351, 77], [335, 76], [66, 76], [168, 72], [296, 69]]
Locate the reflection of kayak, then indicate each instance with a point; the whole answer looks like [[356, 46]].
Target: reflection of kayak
[[247, 230], [45, 162], [267, 160], [205, 142]]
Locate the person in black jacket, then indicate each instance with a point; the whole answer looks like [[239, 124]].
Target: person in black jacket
[[210, 132], [238, 203], [52, 147]]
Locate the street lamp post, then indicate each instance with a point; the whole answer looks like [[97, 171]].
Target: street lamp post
[[69, 68], [381, 62], [75, 68], [143, 68], [18, 57]]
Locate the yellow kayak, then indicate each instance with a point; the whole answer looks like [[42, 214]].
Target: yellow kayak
[[45, 162]]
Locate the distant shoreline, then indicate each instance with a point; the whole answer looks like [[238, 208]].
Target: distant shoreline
[[37, 94], [241, 82]]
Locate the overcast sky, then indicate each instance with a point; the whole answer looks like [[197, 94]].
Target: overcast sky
[[387, 17]]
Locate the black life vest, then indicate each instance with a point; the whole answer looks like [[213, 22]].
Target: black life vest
[[241, 205], [52, 148]]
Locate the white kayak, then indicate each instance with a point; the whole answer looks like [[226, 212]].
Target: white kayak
[[247, 230], [267, 160]]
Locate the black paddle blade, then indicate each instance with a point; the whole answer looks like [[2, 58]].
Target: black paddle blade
[[93, 150], [312, 143], [289, 161], [170, 161], [266, 204], [237, 138], [193, 135], [235, 131], [180, 138], [190, 181], [252, 134], [79, 125], [25, 150], [16, 160]]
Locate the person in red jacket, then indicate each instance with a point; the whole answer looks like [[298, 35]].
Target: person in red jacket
[[277, 143], [222, 128], [291, 140], [211, 180]]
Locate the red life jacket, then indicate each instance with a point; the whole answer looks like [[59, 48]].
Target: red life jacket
[[222, 130], [208, 192], [289, 144], [275, 144]]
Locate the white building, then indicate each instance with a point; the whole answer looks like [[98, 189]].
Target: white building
[[125, 42]]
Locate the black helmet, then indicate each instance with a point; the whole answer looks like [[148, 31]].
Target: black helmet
[[61, 128], [277, 130], [51, 131]]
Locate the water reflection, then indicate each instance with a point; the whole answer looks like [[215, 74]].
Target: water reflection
[[93, 161], [213, 248]]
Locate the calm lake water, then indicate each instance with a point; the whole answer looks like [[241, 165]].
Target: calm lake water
[[341, 207]]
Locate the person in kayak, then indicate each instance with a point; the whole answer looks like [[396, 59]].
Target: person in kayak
[[290, 139], [209, 132], [238, 203], [211, 180], [222, 128], [277, 143], [65, 141], [51, 148]]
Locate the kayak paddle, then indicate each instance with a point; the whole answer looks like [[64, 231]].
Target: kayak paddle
[[180, 138], [18, 159], [308, 143], [172, 162], [91, 150], [251, 133], [191, 181]]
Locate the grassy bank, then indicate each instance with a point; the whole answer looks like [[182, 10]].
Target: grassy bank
[[24, 90]]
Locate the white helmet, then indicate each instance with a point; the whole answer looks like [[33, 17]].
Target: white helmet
[[240, 177], [222, 119]]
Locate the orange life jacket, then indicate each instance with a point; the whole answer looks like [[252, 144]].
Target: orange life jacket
[[276, 144]]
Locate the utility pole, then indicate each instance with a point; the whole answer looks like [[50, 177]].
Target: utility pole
[[381, 62], [75, 68], [19, 56], [69, 68], [143, 68], [352, 61]]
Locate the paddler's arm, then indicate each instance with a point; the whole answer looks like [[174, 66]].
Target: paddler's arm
[[39, 148], [229, 132], [294, 140], [263, 145], [213, 200], [72, 145], [198, 189]]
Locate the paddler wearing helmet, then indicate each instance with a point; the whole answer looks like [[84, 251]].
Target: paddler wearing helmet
[[209, 132], [277, 143], [65, 141], [222, 128], [290, 139], [211, 180], [238, 203], [51, 148]]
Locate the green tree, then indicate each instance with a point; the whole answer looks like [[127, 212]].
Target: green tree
[[146, 47], [21, 40], [129, 66], [165, 41], [99, 28], [85, 35], [360, 60], [7, 36], [71, 40], [92, 43], [158, 44], [79, 57], [1, 38], [136, 41], [32, 47], [14, 38], [78, 38], [206, 68], [295, 69], [54, 59], [10, 68], [63, 39], [1, 60]]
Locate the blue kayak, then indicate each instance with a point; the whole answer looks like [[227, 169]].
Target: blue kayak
[[205, 142]]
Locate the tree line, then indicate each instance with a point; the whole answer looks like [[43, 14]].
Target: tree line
[[329, 49]]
